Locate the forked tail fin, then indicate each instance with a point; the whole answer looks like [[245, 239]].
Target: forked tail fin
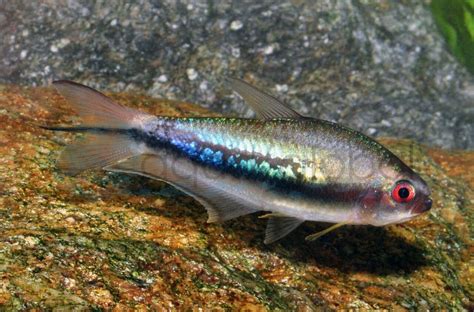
[[105, 124], [96, 109]]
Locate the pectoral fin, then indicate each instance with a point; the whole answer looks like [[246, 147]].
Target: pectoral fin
[[279, 226]]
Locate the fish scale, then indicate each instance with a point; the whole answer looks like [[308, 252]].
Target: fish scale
[[252, 151], [254, 141]]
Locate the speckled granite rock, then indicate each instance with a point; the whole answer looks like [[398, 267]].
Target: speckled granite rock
[[378, 66], [105, 240]]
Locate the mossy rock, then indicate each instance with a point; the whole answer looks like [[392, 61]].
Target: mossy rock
[[104, 240]]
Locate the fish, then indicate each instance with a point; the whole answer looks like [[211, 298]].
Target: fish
[[292, 167]]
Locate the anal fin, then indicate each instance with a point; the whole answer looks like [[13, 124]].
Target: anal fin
[[279, 226], [214, 195]]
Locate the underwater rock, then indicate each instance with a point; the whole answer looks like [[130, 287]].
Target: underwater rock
[[103, 240], [377, 66]]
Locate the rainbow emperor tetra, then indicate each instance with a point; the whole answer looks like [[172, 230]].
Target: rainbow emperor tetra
[[294, 167]]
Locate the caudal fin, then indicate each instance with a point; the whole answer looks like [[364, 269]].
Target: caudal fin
[[96, 109], [96, 151], [105, 123]]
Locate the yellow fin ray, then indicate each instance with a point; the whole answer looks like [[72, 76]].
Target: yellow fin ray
[[272, 215], [317, 235]]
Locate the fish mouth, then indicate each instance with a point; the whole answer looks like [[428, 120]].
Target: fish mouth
[[422, 207]]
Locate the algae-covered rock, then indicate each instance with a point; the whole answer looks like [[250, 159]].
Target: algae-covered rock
[[114, 241]]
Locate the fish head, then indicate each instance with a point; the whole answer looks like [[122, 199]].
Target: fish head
[[399, 198]]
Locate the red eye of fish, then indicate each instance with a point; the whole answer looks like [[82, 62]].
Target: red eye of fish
[[403, 192]]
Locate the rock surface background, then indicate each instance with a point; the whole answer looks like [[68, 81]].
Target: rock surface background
[[103, 241], [378, 66]]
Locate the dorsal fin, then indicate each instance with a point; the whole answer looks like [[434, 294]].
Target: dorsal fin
[[264, 105]]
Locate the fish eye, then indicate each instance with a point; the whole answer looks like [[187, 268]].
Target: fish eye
[[403, 192]]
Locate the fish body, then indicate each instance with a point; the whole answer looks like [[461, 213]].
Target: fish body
[[296, 168], [301, 168]]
